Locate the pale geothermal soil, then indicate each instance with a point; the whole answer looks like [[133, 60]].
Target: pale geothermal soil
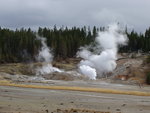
[[27, 100]]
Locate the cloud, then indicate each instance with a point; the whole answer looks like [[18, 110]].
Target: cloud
[[107, 16], [35, 13]]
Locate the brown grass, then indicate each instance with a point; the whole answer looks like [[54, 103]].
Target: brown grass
[[83, 89]]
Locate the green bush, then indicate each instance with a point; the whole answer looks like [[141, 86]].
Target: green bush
[[148, 78]]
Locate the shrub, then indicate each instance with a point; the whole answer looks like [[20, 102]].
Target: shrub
[[148, 59], [148, 78]]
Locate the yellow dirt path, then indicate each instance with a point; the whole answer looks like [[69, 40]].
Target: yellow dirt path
[[74, 88]]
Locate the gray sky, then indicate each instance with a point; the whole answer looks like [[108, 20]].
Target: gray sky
[[46, 13]]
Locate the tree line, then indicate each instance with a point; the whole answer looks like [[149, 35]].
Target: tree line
[[21, 45]]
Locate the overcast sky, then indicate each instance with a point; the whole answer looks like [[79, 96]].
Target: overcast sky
[[46, 13]]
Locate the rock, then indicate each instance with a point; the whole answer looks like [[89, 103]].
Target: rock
[[46, 110], [123, 105]]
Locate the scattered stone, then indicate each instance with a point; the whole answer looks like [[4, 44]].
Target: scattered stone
[[78, 111], [118, 110], [61, 103], [46, 110], [123, 105], [44, 105], [5, 91]]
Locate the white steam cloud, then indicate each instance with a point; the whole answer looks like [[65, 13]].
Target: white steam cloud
[[102, 63], [44, 53], [46, 57], [88, 71]]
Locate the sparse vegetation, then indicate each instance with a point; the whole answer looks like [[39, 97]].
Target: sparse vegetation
[[148, 59], [148, 78], [16, 69]]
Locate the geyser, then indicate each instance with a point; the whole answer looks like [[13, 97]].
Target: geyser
[[99, 64], [44, 53], [45, 56]]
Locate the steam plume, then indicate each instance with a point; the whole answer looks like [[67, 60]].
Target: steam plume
[[46, 57], [104, 62], [44, 53]]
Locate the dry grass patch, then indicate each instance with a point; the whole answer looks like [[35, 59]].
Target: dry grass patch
[[83, 89]]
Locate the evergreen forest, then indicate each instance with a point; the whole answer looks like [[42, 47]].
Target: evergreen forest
[[21, 45]]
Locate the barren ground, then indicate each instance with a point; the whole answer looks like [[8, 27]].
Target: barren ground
[[29, 100]]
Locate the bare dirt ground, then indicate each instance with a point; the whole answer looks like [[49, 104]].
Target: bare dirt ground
[[29, 100]]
